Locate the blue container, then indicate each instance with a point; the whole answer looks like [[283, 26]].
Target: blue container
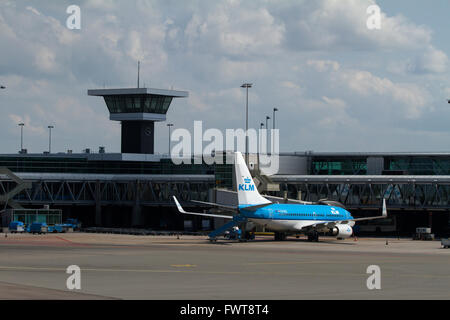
[[57, 228], [16, 226], [38, 227]]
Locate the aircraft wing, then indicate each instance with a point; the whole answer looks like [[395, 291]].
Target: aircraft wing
[[229, 208], [181, 210], [281, 200], [331, 224]]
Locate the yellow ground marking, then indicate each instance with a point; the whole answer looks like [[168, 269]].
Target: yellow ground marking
[[183, 265]]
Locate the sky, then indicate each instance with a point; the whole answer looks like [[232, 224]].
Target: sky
[[339, 86]]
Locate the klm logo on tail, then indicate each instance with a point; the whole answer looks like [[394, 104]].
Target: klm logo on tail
[[247, 185]]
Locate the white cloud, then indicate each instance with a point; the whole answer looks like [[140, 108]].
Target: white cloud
[[447, 92], [33, 10], [412, 99], [327, 24], [30, 127], [234, 30], [234, 69], [324, 65], [431, 61], [290, 85], [45, 60]]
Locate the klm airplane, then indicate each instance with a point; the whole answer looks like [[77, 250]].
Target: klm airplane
[[283, 219]]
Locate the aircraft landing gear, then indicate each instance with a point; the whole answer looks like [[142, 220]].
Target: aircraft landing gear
[[280, 236], [314, 236], [248, 236]]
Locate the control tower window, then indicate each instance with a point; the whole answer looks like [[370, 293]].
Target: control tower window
[[138, 104], [167, 102], [147, 105]]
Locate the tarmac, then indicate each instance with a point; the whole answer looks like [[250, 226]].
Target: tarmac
[[192, 268]]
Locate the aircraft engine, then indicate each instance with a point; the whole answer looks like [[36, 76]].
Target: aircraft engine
[[342, 231]]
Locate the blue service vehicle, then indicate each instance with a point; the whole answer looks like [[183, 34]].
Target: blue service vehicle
[[16, 226], [57, 228], [72, 223], [38, 227]]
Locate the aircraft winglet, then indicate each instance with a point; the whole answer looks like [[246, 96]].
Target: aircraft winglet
[[181, 210]]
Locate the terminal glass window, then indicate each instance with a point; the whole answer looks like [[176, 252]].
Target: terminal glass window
[[344, 166], [28, 216], [419, 165]]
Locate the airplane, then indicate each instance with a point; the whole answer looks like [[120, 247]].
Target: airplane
[[283, 219]]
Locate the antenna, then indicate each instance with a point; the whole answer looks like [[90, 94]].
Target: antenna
[[139, 66]]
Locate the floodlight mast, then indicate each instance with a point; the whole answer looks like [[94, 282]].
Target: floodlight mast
[[246, 86]]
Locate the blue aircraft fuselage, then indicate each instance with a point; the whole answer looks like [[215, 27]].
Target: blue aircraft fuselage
[[296, 212]]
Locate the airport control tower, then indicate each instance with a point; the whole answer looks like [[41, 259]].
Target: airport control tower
[[138, 109]]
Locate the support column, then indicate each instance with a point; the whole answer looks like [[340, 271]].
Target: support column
[[98, 206], [448, 221], [430, 220], [136, 216]]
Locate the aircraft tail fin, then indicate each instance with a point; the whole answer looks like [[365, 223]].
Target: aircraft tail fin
[[246, 189]]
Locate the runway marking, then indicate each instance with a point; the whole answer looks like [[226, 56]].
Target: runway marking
[[71, 242], [314, 274], [307, 262], [288, 263]]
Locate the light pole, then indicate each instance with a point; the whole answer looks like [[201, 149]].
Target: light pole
[[246, 86], [50, 138], [21, 125], [274, 110], [273, 126], [267, 139], [169, 125], [261, 126]]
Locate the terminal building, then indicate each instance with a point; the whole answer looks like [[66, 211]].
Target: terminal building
[[134, 188]]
